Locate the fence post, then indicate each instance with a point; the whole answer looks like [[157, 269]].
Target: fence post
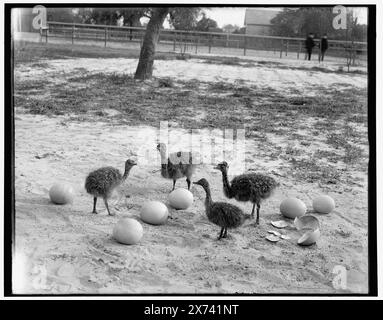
[[72, 33], [174, 41], [196, 45], [280, 54], [299, 49], [106, 33], [210, 40], [287, 47], [181, 43], [244, 45]]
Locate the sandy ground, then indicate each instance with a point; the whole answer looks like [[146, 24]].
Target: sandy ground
[[66, 249], [282, 79]]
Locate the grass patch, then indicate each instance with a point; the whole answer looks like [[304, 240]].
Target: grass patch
[[310, 170], [27, 52], [165, 83]]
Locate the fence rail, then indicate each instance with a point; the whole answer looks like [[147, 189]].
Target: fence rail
[[196, 41]]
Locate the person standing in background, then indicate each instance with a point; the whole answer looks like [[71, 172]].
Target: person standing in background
[[323, 47], [309, 44]]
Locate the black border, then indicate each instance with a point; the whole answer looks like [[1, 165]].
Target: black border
[[372, 205], [9, 192]]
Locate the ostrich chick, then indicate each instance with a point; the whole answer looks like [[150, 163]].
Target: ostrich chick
[[177, 165], [102, 182], [251, 187], [222, 214]]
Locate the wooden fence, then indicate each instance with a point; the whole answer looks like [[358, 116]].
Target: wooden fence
[[200, 42]]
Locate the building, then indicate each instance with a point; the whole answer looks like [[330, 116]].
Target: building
[[257, 20]]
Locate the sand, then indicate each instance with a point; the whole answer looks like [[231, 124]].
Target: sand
[[67, 249]]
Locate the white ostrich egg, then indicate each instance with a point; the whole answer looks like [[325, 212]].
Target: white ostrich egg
[[323, 204], [128, 231], [292, 208], [61, 193], [181, 199], [154, 212]]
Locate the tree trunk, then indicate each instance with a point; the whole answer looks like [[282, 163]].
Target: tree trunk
[[145, 64]]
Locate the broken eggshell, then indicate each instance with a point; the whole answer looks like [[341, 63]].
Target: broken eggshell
[[275, 233], [306, 222], [272, 238], [279, 224], [310, 237]]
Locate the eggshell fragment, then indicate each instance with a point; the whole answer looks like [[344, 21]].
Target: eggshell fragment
[[324, 204], [279, 224], [275, 233], [272, 238], [309, 238], [306, 222]]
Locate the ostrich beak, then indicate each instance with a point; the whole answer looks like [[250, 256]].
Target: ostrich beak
[[216, 167]]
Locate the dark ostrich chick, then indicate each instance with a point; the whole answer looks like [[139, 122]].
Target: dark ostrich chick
[[102, 182], [251, 187], [177, 165], [223, 214]]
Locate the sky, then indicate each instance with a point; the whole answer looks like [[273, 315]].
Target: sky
[[236, 15], [223, 16]]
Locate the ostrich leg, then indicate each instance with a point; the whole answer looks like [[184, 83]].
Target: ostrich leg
[[174, 184], [188, 182], [221, 234], [258, 208], [107, 207], [252, 211], [94, 205], [225, 233]]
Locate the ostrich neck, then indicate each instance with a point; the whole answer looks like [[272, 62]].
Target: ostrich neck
[[126, 173], [226, 185], [208, 200], [164, 170], [164, 158]]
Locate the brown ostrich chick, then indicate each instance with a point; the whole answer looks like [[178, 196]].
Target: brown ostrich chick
[[102, 182], [222, 214], [253, 187]]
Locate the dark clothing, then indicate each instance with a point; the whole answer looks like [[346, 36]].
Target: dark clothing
[[309, 44], [323, 48], [308, 52], [324, 44]]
